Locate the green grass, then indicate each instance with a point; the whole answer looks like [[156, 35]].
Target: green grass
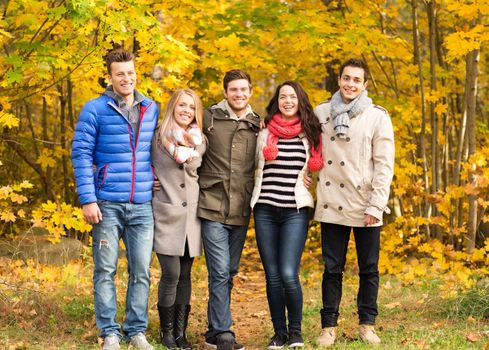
[[410, 317]]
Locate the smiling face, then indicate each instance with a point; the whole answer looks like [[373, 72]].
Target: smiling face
[[184, 111], [288, 103], [123, 78], [238, 95], [352, 83]]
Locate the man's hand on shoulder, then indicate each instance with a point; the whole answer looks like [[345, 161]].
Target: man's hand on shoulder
[[156, 184], [307, 179], [92, 213]]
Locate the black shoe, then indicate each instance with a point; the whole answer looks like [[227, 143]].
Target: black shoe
[[167, 317], [295, 340], [278, 341], [225, 341], [181, 322], [211, 342]]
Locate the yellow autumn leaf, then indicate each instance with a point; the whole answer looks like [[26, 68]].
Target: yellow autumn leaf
[[8, 120], [49, 206], [17, 198], [392, 305], [7, 216], [441, 108], [46, 161]]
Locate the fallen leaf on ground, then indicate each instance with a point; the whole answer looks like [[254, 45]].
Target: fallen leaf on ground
[[392, 305], [472, 337]]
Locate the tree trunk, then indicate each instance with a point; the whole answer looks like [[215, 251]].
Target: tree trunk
[[421, 150], [433, 117], [472, 73], [64, 158]]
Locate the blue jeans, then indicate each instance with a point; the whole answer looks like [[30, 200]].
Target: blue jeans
[[223, 245], [134, 224], [334, 239], [281, 234]]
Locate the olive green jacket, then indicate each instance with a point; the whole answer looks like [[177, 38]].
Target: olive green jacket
[[226, 173]]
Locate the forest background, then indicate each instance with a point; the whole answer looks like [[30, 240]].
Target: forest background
[[429, 68]]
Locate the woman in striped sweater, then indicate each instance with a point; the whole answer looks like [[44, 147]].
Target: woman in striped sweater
[[288, 148]]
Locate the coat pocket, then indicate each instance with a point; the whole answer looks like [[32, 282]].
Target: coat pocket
[[211, 192], [247, 196], [101, 176]]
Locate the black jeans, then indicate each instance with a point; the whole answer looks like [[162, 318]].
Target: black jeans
[[334, 239], [175, 285]]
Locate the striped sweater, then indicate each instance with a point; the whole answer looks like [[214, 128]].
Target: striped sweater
[[280, 175]]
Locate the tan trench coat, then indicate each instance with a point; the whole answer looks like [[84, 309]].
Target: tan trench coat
[[358, 171], [175, 204]]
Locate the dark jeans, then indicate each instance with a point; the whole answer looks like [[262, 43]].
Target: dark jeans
[[334, 239], [281, 234], [223, 245], [175, 285]]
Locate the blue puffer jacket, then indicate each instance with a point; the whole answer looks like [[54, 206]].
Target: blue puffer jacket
[[105, 138]]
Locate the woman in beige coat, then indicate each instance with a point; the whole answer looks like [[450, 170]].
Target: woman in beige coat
[[176, 154]]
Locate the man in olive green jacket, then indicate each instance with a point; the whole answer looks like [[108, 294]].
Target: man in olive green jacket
[[226, 185]]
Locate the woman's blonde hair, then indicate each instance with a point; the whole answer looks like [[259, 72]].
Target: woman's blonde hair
[[168, 120]]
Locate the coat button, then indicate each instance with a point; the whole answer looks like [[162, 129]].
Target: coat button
[[325, 206], [184, 204], [180, 166], [330, 162], [348, 139], [359, 187], [342, 185], [332, 138], [182, 185], [328, 183], [342, 163], [340, 208]]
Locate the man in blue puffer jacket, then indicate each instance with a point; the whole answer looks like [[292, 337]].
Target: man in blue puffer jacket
[[113, 136]]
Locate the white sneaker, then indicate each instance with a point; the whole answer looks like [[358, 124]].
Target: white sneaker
[[139, 342], [327, 336], [111, 342], [368, 335]]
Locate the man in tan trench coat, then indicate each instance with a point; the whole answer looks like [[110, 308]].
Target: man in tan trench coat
[[352, 192]]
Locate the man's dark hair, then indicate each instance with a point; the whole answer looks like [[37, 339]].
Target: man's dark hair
[[353, 62], [118, 55], [235, 74]]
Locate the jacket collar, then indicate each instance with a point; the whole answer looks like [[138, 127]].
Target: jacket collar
[[139, 98], [219, 110]]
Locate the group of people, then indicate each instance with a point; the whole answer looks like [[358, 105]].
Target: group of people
[[195, 178]]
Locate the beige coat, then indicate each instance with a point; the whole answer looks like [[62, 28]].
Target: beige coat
[[175, 204], [357, 173], [303, 197]]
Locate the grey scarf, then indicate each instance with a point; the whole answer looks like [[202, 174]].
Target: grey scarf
[[342, 112]]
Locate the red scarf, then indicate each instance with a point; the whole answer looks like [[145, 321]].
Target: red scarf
[[287, 129]]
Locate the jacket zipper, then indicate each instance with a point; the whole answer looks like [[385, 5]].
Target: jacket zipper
[[134, 147]]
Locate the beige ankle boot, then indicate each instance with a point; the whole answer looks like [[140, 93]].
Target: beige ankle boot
[[327, 336], [368, 335]]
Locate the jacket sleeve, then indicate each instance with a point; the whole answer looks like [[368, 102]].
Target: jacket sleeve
[[383, 153], [82, 153]]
